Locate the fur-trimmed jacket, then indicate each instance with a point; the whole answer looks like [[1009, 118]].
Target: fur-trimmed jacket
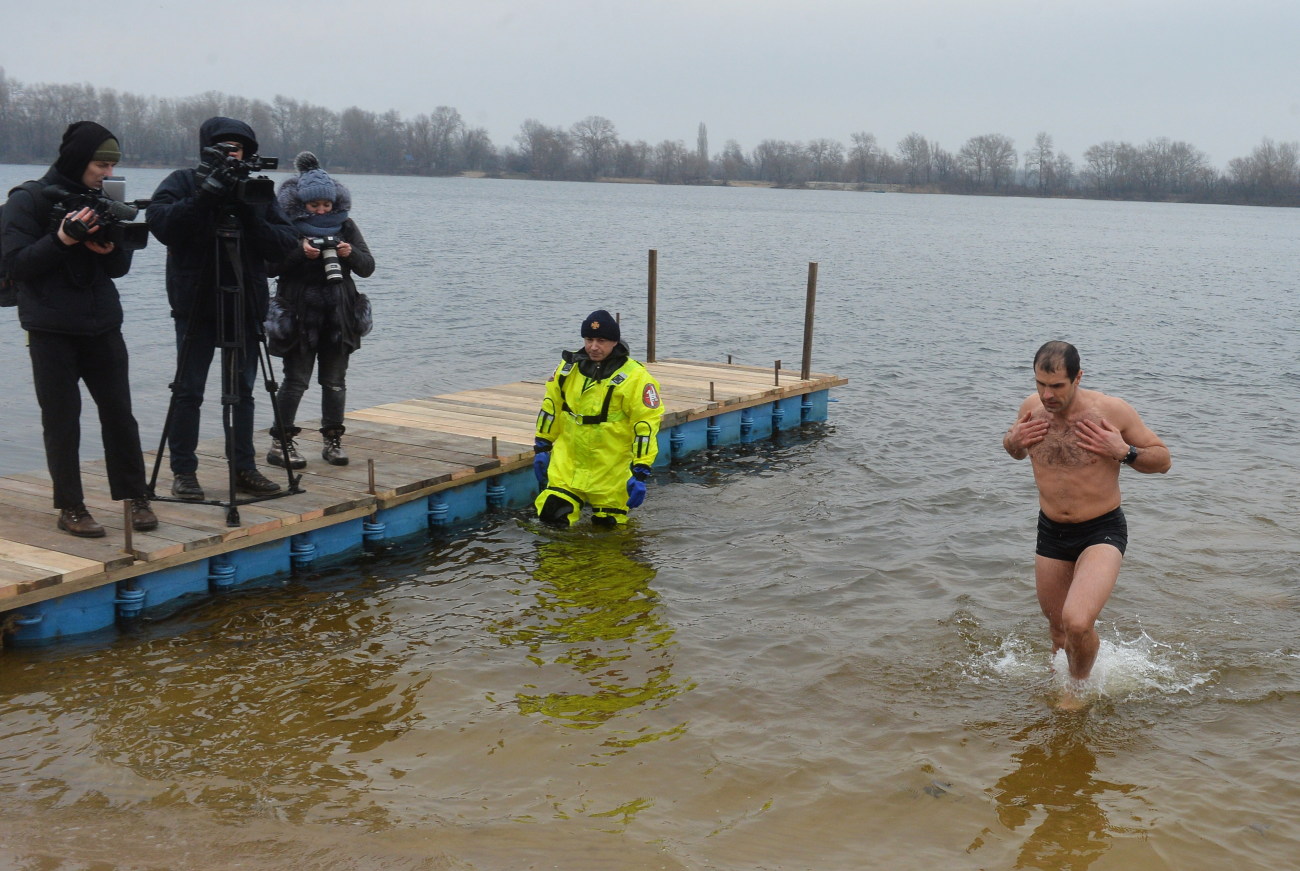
[[316, 311]]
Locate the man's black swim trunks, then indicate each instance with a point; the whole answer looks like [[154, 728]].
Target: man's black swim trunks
[[1065, 541]]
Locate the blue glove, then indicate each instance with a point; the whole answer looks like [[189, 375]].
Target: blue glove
[[636, 486], [541, 460]]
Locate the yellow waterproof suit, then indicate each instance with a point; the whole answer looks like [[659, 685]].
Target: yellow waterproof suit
[[599, 429]]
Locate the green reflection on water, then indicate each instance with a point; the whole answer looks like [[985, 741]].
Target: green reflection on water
[[596, 617]]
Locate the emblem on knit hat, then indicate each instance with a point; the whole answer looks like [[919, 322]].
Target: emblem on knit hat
[[600, 324]]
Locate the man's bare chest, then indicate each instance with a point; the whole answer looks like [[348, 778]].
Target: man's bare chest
[[1060, 448]]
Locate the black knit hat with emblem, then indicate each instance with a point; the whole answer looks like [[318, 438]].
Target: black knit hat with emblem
[[600, 324]]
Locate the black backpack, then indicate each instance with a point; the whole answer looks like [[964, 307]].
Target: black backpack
[[36, 190]]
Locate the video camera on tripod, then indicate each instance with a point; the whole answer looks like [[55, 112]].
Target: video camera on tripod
[[113, 214], [225, 177]]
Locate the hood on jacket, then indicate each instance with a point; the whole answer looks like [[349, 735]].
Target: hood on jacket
[[220, 129], [80, 142]]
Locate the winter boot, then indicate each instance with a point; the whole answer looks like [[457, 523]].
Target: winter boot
[[278, 452], [333, 452]]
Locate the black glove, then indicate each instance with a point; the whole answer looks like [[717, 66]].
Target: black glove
[[215, 180], [79, 230]]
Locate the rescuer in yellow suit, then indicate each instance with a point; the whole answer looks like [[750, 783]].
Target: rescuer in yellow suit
[[598, 430]]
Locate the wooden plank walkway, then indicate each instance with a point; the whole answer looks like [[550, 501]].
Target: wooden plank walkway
[[419, 446]]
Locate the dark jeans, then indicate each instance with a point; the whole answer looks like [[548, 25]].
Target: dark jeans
[[195, 358], [332, 379], [59, 362]]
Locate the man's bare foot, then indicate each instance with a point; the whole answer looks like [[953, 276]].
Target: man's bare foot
[[1071, 701]]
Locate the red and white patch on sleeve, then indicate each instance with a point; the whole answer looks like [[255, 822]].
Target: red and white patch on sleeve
[[650, 396]]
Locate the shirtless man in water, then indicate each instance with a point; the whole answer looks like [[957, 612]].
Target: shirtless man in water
[[1077, 441]]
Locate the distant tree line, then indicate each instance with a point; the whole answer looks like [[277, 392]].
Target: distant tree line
[[163, 132]]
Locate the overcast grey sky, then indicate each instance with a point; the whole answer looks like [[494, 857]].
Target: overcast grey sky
[[1219, 75]]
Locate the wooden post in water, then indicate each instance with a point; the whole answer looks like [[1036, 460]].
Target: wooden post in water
[[370, 474], [811, 303], [128, 546], [652, 305], [776, 374]]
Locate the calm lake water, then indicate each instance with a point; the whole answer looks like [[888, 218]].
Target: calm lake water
[[822, 652]]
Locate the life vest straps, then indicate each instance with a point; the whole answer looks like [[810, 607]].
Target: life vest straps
[[588, 419]]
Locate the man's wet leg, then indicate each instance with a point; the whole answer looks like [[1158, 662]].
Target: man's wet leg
[[1095, 575]]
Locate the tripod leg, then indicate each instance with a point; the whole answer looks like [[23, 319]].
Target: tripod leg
[[273, 390], [230, 376]]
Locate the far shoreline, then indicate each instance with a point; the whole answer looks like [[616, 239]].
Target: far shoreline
[[850, 187]]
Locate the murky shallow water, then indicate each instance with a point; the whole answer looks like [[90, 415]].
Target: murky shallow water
[[819, 653]]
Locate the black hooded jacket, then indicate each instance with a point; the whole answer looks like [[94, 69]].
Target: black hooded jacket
[[61, 288], [186, 222]]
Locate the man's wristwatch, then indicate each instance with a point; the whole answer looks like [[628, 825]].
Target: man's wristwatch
[[1130, 456]]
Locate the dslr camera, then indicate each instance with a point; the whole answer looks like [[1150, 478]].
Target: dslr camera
[[329, 255], [222, 176], [113, 214]]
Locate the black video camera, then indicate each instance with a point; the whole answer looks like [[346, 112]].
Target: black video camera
[[226, 178], [328, 246], [113, 214]]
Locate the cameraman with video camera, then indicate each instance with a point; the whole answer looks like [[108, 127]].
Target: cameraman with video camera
[[186, 213], [63, 268]]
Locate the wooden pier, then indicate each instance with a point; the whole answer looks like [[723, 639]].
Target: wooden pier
[[437, 461]]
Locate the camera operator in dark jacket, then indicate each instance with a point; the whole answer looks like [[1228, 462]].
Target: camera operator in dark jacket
[[68, 304], [321, 316], [184, 214]]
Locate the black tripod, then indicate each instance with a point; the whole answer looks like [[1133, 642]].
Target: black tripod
[[236, 324]]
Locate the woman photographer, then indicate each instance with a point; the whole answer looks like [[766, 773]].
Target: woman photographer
[[317, 317]]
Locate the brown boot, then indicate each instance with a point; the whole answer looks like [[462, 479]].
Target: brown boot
[[77, 520], [142, 517]]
